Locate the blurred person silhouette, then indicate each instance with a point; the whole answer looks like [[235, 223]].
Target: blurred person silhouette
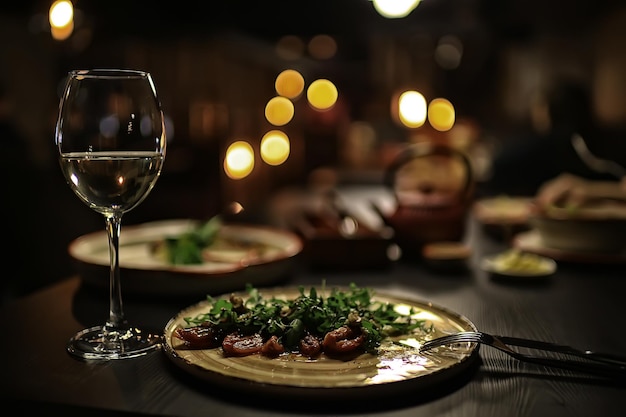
[[571, 191], [527, 162]]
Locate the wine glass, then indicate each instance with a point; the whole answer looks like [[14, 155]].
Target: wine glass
[[110, 136]]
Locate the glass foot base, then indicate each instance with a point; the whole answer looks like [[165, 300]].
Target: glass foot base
[[99, 343]]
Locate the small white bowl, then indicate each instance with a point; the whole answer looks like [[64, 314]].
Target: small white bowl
[[514, 263]]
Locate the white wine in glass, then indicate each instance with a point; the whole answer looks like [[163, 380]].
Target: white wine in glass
[[110, 136]]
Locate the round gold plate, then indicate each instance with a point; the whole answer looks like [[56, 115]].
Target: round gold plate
[[398, 365]]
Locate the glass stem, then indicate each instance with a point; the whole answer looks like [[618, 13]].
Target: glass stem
[[116, 310]]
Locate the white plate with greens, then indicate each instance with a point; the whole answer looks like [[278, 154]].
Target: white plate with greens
[[240, 254]]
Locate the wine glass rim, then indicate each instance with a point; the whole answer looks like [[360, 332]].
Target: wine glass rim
[[108, 72]]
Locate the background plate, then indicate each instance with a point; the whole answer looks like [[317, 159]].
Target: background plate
[[144, 273], [394, 370], [531, 242]]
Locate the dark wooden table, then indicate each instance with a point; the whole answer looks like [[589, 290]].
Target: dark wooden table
[[581, 305]]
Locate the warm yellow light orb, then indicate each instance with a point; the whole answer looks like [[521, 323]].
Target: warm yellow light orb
[[395, 8], [61, 33], [412, 109], [61, 18], [239, 160], [289, 83], [61, 13], [279, 111], [322, 94], [441, 114], [275, 147]]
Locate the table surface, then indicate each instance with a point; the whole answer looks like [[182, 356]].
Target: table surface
[[581, 305]]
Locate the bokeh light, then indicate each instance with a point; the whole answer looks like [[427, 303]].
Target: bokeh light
[[322, 94], [239, 160], [412, 109], [279, 111], [275, 147], [322, 47], [290, 48], [63, 32], [441, 114], [289, 83], [61, 13], [395, 8], [61, 18], [449, 52]]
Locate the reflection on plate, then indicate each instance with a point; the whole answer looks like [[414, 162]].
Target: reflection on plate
[[531, 242], [144, 273], [518, 264], [398, 366]]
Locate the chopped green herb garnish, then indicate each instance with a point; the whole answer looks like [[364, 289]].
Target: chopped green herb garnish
[[187, 248], [308, 313]]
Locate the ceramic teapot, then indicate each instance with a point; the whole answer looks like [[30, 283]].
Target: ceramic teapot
[[433, 186]]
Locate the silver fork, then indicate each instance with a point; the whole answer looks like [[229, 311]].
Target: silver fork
[[598, 364]]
